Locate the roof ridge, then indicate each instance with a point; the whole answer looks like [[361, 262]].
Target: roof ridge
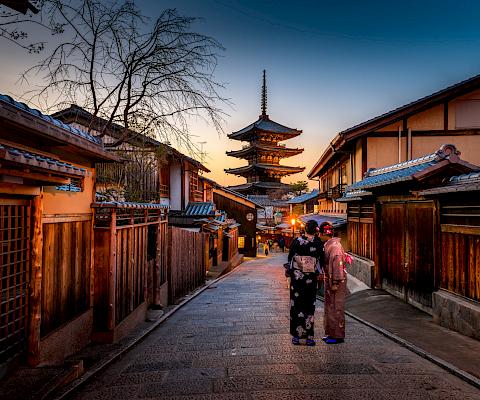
[[444, 152], [48, 118]]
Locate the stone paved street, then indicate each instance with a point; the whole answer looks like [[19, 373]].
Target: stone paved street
[[232, 342]]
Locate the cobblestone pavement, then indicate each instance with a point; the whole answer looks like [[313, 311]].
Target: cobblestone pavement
[[232, 342]]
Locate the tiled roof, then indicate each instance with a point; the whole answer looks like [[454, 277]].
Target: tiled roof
[[38, 114], [459, 183], [31, 159], [263, 185], [263, 148], [265, 201], [406, 171], [394, 173], [336, 221], [472, 177], [304, 197], [354, 195], [275, 167], [267, 125], [200, 208], [126, 204], [81, 116]]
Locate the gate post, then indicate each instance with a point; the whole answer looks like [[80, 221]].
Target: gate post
[[35, 285]]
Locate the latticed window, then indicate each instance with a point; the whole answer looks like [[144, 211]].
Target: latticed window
[[14, 263]]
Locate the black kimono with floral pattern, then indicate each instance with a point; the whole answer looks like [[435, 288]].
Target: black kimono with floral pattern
[[303, 286]]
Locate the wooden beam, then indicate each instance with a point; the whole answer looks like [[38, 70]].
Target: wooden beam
[[112, 266], [27, 174], [445, 116], [364, 155], [35, 285], [463, 229]]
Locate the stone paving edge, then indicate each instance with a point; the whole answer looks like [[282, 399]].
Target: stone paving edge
[[465, 376], [75, 385]]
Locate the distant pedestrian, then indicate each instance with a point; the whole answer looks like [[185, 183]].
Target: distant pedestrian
[[306, 253], [265, 248], [281, 243], [335, 286]]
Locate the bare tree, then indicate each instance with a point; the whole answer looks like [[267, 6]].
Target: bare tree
[[18, 19], [147, 76]]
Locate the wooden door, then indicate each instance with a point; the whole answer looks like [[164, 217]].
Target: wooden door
[[14, 269], [407, 250], [393, 246], [420, 252]]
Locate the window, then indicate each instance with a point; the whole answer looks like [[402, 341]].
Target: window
[[241, 242]]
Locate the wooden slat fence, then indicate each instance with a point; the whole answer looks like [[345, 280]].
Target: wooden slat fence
[[187, 261], [460, 238], [14, 275], [66, 271], [460, 268], [233, 243], [361, 230], [129, 251]]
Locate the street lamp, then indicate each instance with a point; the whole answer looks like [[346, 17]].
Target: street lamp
[[293, 227]]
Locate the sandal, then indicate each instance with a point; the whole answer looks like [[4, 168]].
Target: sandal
[[333, 341], [310, 342], [295, 340]]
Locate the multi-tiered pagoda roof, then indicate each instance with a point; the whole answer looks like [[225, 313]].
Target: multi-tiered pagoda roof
[[263, 153]]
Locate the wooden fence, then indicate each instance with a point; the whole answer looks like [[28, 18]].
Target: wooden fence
[[361, 230], [187, 261], [232, 243], [460, 268], [66, 271], [125, 237], [460, 247]]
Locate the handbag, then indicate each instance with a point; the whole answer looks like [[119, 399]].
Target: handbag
[[305, 263]]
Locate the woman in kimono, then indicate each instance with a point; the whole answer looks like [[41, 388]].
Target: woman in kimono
[[303, 268], [335, 286]]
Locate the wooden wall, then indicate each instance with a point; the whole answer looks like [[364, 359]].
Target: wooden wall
[[66, 269], [247, 228]]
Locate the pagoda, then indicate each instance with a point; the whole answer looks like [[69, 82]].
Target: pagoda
[[263, 153]]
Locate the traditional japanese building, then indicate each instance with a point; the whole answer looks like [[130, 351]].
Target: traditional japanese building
[[263, 153]]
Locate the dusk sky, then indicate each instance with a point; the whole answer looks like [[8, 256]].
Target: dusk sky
[[330, 64]]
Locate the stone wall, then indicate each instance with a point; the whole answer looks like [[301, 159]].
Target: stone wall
[[456, 313], [362, 269]]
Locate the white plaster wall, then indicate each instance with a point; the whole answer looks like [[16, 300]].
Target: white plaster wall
[[175, 187]]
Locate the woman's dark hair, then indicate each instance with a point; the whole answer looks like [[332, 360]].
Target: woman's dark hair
[[326, 228], [311, 227]]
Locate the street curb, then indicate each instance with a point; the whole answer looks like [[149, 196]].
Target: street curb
[[94, 371], [472, 380]]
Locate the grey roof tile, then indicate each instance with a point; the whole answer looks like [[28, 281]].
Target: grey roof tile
[[47, 118], [304, 197], [200, 208]]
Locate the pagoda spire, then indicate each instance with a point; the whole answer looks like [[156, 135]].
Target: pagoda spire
[[264, 97]]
